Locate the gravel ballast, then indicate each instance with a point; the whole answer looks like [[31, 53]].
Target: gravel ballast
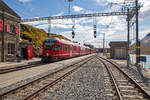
[[86, 83]]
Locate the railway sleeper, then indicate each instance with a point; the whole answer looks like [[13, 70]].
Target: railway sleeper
[[124, 83], [122, 80], [126, 87], [131, 92], [133, 97]]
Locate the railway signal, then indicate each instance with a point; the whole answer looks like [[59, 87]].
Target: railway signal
[[73, 34], [94, 31], [73, 28]]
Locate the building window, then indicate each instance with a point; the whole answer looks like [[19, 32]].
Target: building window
[[1, 25], [11, 48], [12, 29], [7, 28]]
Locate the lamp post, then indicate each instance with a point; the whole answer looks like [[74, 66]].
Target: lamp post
[[103, 44]]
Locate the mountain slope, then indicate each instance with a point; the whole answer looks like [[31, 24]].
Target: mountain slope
[[145, 45], [36, 37]]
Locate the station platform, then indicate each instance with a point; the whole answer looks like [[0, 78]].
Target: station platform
[[7, 65]]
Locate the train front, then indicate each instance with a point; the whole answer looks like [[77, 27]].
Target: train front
[[48, 46]]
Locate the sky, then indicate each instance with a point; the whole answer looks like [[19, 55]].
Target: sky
[[114, 27]]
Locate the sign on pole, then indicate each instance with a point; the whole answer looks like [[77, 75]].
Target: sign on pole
[[143, 58]]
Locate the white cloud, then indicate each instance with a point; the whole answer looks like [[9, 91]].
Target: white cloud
[[145, 10], [77, 8], [106, 2], [25, 0], [84, 28]]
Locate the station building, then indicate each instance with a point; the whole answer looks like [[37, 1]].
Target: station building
[[118, 50], [9, 33]]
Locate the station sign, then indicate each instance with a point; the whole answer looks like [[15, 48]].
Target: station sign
[[143, 58]]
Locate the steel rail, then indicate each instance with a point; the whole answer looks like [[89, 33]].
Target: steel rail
[[113, 79], [21, 67], [132, 80], [19, 87]]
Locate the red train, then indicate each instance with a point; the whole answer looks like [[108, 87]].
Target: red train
[[54, 48]]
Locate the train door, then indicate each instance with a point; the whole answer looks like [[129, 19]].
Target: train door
[[57, 50], [70, 50]]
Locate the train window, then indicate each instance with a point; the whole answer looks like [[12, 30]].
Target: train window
[[48, 45], [65, 47], [70, 48], [74, 48], [57, 47]]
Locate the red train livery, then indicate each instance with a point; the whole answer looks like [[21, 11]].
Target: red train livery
[[54, 48]]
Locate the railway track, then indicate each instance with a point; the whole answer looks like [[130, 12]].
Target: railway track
[[32, 89], [3, 71], [120, 86]]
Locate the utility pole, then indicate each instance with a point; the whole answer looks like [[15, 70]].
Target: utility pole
[[3, 40], [128, 36], [137, 34], [138, 43], [69, 6], [103, 44], [49, 27]]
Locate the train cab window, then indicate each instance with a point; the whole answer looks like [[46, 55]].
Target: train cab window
[[48, 44], [57, 47]]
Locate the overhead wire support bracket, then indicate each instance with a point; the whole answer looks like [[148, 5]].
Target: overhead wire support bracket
[[74, 16]]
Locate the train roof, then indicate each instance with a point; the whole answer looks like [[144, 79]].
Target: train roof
[[66, 42], [61, 40]]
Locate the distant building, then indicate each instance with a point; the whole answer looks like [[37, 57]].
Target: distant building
[[9, 32], [89, 45], [118, 50], [106, 50]]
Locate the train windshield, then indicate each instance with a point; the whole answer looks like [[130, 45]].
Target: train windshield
[[48, 44]]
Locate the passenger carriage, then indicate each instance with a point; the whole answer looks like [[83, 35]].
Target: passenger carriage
[[54, 49]]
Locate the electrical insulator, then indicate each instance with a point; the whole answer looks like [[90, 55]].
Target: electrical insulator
[[73, 34], [94, 27]]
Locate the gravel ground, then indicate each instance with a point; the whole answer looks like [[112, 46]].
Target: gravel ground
[[85, 84]]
